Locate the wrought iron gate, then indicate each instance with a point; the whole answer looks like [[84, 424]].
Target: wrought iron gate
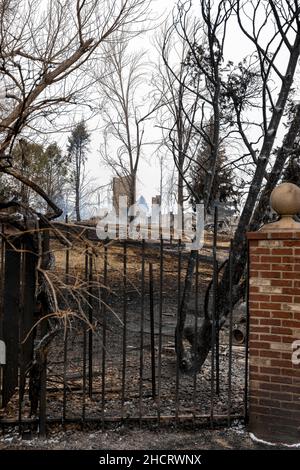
[[113, 358]]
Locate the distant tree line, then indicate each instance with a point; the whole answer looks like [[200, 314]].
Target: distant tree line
[[61, 174]]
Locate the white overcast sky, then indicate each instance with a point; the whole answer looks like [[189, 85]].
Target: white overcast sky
[[148, 174]]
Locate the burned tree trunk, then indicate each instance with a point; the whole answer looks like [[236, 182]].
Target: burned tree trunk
[[203, 339], [179, 333], [39, 363]]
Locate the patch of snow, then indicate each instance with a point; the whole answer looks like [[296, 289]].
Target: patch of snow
[[52, 440], [239, 430], [29, 443], [261, 441], [238, 427]]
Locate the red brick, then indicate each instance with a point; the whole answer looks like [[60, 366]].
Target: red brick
[[254, 352], [283, 380], [278, 330], [253, 243], [260, 329], [270, 321], [259, 345], [287, 339], [257, 297], [281, 235], [292, 389], [260, 251], [291, 323], [255, 236], [259, 393], [281, 363], [291, 243], [269, 371], [281, 298], [291, 290], [290, 259], [256, 409], [258, 313], [282, 396], [281, 422], [283, 267], [280, 283], [260, 377], [254, 259], [269, 353], [270, 306], [278, 314], [253, 305], [268, 402], [292, 406], [270, 274], [282, 251], [291, 372], [261, 266], [271, 338], [271, 259], [270, 386], [291, 275]]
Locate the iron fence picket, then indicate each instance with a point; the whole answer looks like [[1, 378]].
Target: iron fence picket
[[104, 327], [230, 337], [152, 332], [85, 345], [67, 254], [90, 310], [65, 377], [195, 336], [142, 333], [160, 320], [2, 270], [177, 386], [215, 300], [124, 342]]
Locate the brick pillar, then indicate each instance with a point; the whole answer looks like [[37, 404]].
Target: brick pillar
[[274, 305]]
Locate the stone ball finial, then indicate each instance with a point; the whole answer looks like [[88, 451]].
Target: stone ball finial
[[285, 200]]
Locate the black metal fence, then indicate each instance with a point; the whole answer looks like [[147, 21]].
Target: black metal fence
[[113, 357]]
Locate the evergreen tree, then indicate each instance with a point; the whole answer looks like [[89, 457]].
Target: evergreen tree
[[292, 171], [46, 167], [223, 189], [52, 172], [78, 145]]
